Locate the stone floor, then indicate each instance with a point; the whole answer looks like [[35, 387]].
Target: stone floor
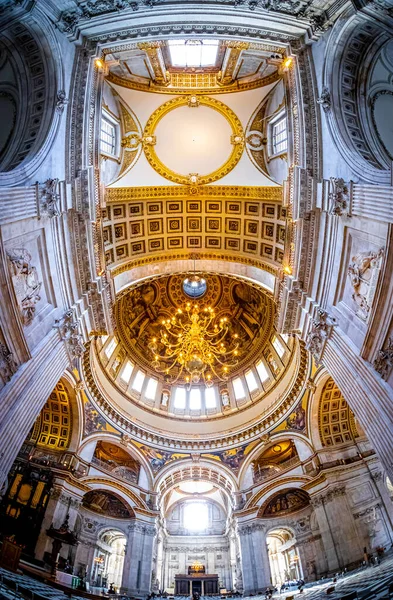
[[371, 583]]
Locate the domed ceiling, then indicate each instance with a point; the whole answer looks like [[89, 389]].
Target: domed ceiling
[[140, 312], [260, 391]]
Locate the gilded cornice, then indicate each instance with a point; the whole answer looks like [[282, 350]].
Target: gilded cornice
[[190, 100], [269, 193], [204, 84]]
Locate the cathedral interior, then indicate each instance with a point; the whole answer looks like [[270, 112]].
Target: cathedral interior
[[196, 316]]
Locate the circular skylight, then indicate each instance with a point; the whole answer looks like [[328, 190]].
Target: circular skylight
[[194, 286]]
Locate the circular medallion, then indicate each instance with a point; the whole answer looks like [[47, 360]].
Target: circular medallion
[[193, 140]]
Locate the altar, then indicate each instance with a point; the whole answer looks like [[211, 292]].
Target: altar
[[201, 583]]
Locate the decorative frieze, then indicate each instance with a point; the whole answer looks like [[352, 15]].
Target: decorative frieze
[[319, 333], [383, 362], [7, 364], [25, 281]]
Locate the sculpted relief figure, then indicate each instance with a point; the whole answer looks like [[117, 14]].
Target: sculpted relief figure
[[363, 273], [25, 281]]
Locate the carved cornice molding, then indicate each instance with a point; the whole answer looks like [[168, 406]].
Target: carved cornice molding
[[250, 528], [329, 496], [368, 511], [339, 197], [318, 334], [180, 84], [69, 331], [383, 362], [127, 194], [49, 197]]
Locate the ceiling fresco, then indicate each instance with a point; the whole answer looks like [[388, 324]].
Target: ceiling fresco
[[139, 314]]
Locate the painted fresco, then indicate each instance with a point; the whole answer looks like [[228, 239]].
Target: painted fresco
[[285, 502]]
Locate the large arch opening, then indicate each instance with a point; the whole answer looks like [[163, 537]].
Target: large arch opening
[[284, 560]]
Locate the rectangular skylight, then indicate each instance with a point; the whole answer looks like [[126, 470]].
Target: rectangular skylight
[[279, 348], [193, 53]]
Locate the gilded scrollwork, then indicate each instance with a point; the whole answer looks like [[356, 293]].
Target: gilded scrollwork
[[164, 109]]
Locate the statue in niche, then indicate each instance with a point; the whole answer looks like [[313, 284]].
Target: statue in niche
[[25, 281], [165, 398], [225, 398], [271, 361]]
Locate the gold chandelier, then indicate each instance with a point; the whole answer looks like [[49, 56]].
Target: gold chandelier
[[195, 347]]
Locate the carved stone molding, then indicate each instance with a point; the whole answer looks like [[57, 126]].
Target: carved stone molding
[[339, 199], [319, 333], [149, 530], [69, 331], [324, 100], [25, 282], [7, 364], [61, 101], [369, 511], [250, 528], [329, 496], [49, 197], [383, 362], [377, 475]]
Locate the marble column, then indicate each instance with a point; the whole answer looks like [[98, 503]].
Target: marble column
[[326, 534], [380, 484], [138, 558], [255, 559], [338, 529]]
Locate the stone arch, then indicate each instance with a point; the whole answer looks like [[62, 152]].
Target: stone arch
[[58, 426], [283, 502], [206, 470], [336, 421], [108, 502], [350, 50], [303, 446], [36, 93], [296, 481], [107, 484], [87, 448]]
